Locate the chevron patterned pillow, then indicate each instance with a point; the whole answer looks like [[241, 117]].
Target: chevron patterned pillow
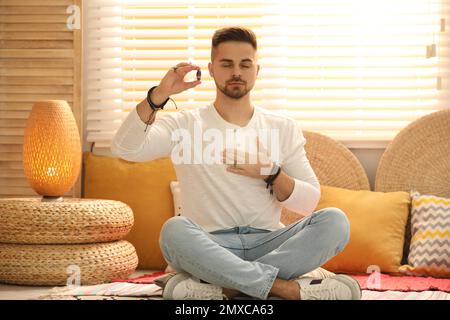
[[429, 253]]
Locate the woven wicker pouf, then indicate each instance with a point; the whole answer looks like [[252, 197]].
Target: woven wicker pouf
[[53, 264], [42, 243], [72, 221]]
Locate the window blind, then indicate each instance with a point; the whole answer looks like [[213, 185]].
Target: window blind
[[358, 71]]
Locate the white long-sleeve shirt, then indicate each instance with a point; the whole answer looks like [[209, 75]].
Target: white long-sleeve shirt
[[211, 196]]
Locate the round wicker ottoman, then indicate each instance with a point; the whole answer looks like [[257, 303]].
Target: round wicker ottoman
[[73, 221], [52, 264], [56, 243]]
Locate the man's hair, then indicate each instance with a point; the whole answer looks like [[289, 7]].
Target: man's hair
[[239, 34]]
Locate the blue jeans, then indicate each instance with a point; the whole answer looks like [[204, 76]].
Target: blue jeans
[[249, 259]]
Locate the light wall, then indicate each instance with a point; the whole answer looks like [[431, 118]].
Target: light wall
[[369, 159]]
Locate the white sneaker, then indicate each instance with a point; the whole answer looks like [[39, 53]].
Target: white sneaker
[[161, 281], [183, 287], [319, 273], [351, 283], [324, 289]]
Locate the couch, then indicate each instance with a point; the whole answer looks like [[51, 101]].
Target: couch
[[380, 219]]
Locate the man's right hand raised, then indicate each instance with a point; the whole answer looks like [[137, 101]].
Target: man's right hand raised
[[173, 82]]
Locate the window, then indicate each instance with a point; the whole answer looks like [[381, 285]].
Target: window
[[358, 71]]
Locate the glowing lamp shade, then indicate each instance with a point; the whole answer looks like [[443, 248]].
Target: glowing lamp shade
[[51, 148]]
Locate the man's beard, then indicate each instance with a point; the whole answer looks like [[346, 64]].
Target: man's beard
[[236, 91]]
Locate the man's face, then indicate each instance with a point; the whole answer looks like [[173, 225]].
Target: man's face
[[234, 68]]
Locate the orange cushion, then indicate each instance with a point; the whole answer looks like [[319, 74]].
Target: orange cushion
[[377, 228], [145, 188]]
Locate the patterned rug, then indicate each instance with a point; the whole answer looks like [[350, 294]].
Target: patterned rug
[[384, 282], [400, 295], [375, 287], [107, 291]]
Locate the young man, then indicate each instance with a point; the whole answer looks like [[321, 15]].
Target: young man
[[229, 239]]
